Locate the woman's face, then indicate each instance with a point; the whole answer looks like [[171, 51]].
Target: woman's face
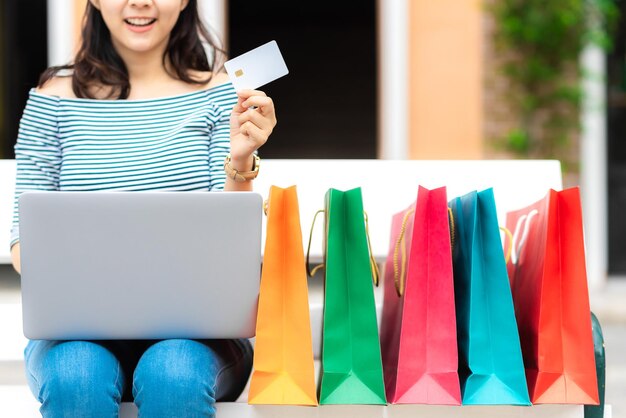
[[140, 25]]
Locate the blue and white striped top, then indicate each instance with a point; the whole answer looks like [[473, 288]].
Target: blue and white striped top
[[170, 143]]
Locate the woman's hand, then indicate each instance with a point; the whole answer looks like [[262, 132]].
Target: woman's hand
[[15, 257], [250, 128]]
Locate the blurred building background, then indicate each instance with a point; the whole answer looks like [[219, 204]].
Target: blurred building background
[[392, 79], [371, 79]]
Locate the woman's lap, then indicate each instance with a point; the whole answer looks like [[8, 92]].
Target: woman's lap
[[192, 373]]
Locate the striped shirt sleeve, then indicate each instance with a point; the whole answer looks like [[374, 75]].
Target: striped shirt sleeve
[[219, 147], [37, 151]]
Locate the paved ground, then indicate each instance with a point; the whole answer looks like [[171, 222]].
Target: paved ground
[[609, 304], [615, 343]]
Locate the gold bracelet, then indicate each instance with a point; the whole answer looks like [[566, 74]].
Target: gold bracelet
[[242, 176]]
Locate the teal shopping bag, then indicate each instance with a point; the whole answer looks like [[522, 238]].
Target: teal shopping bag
[[491, 368]]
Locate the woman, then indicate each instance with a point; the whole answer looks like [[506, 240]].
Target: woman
[[142, 109]]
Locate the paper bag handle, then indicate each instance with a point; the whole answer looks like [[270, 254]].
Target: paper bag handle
[[508, 234], [266, 204], [515, 247], [452, 228], [399, 276], [373, 265], [503, 229], [311, 273]]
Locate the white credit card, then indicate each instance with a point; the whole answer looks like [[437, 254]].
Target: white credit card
[[256, 68]]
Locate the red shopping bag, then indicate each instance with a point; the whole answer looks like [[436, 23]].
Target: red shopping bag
[[549, 286], [419, 344]]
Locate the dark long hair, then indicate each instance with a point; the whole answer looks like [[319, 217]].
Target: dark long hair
[[97, 64]]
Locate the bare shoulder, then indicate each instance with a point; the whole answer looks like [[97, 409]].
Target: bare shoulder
[[215, 79], [58, 86]]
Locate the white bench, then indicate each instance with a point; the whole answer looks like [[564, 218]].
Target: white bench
[[388, 187]]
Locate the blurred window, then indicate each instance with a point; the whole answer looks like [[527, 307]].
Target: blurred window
[[327, 105], [23, 56], [616, 124]]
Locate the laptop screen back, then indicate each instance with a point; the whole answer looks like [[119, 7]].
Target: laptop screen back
[[140, 265]]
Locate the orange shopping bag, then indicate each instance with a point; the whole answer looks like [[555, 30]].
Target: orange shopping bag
[[283, 355], [549, 285]]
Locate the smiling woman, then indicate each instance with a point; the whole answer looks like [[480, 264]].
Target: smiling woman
[[115, 33], [144, 107], [124, 23], [140, 24]]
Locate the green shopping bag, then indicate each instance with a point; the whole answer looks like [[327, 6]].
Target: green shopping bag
[[352, 371]]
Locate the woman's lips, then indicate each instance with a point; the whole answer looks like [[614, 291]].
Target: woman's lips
[[139, 28]]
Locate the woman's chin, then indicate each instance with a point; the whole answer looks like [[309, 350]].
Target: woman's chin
[[142, 46]]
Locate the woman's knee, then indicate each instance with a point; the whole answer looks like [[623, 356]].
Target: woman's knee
[[76, 376], [176, 373]]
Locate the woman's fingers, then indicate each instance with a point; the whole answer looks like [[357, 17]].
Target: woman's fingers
[[244, 94], [256, 118], [262, 102], [253, 120], [258, 135], [256, 98], [239, 106]]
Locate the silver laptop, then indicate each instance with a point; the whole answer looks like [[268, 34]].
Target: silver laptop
[[140, 265]]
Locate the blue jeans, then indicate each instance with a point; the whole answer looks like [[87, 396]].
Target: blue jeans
[[169, 378]]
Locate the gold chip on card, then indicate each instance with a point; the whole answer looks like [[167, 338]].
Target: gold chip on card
[[238, 73]]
